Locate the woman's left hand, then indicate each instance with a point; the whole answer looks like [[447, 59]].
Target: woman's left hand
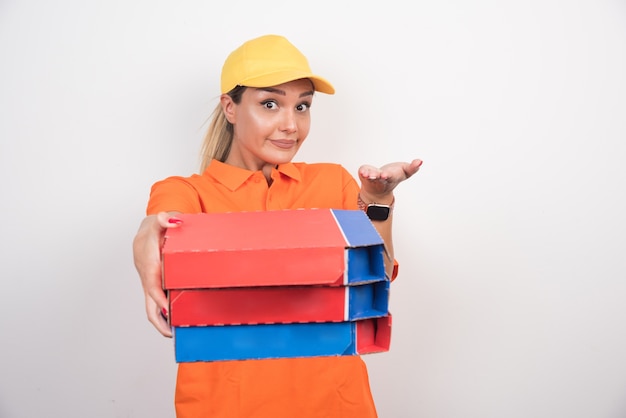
[[377, 184]]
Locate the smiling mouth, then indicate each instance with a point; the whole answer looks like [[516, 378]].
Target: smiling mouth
[[283, 143]]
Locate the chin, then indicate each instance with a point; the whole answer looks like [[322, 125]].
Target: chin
[[280, 158]]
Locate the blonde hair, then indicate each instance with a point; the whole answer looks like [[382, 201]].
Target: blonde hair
[[219, 136]]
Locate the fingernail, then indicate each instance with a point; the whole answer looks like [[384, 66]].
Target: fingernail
[[174, 221], [164, 312]]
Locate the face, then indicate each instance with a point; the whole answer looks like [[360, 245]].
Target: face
[[270, 124]]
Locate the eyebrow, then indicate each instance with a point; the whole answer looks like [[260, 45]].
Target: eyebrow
[[283, 93]]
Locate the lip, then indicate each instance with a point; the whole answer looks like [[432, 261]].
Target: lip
[[284, 143]]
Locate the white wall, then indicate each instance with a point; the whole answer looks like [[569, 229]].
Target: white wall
[[510, 301]]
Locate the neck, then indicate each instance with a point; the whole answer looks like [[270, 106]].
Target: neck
[[267, 172]]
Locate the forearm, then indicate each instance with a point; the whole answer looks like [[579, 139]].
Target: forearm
[[384, 227], [377, 185], [147, 256]]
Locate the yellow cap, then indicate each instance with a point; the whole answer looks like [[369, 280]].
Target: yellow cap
[[268, 61]]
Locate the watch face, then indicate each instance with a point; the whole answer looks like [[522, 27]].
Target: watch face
[[378, 212]]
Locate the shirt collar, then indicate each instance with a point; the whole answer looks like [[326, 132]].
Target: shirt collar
[[233, 177], [290, 170]]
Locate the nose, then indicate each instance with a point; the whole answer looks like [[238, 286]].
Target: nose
[[288, 122]]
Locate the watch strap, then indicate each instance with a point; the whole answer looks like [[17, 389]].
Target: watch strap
[[375, 208]]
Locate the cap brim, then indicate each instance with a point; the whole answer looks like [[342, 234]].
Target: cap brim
[[267, 80]]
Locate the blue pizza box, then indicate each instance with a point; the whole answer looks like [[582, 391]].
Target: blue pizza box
[[291, 340]]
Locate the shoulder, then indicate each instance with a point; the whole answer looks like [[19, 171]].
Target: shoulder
[[325, 175], [322, 168], [180, 181], [175, 193], [196, 184]]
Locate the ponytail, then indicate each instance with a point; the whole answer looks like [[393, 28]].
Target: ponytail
[[219, 136]]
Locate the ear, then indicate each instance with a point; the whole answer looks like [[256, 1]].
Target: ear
[[228, 107]]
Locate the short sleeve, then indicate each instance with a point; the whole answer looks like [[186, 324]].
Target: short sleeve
[[394, 273], [174, 194], [350, 190]]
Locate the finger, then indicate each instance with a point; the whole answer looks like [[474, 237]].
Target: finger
[[369, 172], [160, 323], [159, 298], [400, 171], [156, 317], [168, 219], [413, 167]]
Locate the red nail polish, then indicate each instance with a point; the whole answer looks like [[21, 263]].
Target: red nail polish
[[164, 312], [174, 221]]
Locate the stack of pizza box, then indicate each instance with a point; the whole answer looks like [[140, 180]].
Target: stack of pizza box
[[276, 284]]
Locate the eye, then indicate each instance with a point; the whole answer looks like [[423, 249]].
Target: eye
[[269, 104], [303, 107]]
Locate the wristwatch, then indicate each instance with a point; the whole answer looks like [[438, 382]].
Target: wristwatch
[[376, 211]]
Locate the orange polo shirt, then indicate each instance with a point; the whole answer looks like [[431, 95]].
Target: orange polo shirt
[[317, 387]]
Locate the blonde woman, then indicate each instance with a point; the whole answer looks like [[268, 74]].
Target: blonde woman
[[260, 123]]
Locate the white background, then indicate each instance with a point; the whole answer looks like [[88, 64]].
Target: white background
[[511, 296]]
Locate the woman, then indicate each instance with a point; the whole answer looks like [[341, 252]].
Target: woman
[[260, 123]]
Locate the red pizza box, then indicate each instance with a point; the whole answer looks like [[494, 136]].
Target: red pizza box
[[272, 248], [278, 304]]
